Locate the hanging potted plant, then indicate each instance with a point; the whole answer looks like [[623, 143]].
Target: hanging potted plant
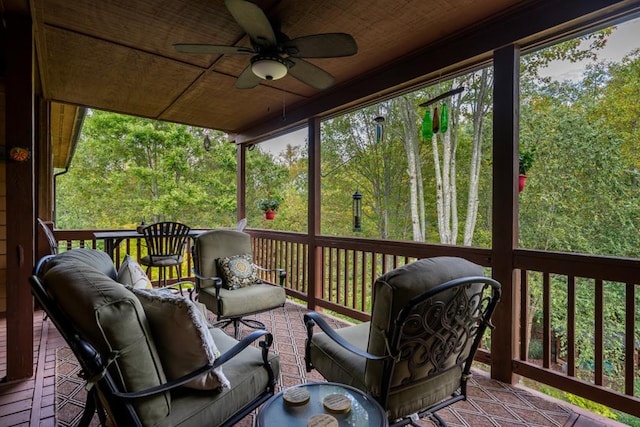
[[526, 160], [269, 205]]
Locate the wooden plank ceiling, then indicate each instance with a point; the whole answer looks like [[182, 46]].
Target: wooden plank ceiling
[[118, 55]]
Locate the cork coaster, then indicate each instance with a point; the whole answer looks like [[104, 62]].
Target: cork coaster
[[337, 403], [296, 396], [322, 420]]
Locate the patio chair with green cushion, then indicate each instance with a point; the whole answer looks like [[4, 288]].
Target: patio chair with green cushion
[[414, 356], [227, 280], [148, 357]]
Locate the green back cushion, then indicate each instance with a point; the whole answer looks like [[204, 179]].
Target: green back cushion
[[214, 244], [112, 319], [393, 290]]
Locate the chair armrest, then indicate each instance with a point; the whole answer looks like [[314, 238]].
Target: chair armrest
[[217, 282], [228, 355], [311, 319], [282, 273]]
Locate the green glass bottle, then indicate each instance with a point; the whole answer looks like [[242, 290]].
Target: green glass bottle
[[427, 126], [444, 118]]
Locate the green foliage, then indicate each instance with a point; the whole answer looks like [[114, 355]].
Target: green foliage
[[526, 161], [269, 203], [129, 169], [589, 405], [578, 401], [535, 349]]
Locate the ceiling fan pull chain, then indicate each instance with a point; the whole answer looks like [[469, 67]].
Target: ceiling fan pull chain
[[284, 113]]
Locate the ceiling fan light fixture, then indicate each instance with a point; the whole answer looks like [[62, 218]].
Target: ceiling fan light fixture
[[269, 67]]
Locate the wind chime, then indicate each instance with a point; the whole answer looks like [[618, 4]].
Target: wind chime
[[379, 129], [440, 120]]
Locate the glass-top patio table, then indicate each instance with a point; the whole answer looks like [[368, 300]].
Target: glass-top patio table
[[363, 410]]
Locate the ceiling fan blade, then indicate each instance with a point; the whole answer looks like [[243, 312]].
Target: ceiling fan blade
[[328, 45], [309, 74], [212, 49], [247, 80], [253, 21]]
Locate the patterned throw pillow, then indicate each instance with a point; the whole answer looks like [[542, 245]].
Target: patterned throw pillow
[[131, 274], [237, 271], [182, 337]]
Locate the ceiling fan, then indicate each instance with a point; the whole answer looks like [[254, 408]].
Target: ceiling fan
[[274, 54]]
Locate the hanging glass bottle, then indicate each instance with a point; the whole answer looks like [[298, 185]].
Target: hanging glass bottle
[[436, 120], [444, 118], [427, 126]]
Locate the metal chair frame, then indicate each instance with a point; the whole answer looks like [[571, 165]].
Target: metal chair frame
[[446, 321]]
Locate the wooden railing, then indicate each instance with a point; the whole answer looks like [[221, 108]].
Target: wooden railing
[[349, 266], [71, 239], [588, 286]]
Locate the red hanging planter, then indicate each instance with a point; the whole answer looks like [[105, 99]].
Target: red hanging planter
[[270, 214], [522, 179]]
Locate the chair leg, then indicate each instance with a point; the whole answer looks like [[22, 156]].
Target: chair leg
[[253, 323], [236, 328], [89, 409], [439, 419]]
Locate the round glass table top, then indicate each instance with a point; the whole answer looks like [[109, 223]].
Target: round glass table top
[[364, 412]]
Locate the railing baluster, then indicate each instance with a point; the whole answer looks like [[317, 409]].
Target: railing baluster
[[525, 335], [546, 322], [629, 339], [354, 279], [599, 330], [571, 326]]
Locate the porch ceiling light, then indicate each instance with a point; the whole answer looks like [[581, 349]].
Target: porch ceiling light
[[269, 67]]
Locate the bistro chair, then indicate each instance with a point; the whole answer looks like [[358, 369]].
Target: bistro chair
[[414, 356], [166, 243], [227, 280]]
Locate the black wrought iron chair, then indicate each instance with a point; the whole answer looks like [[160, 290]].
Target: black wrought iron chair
[[414, 356], [166, 244]]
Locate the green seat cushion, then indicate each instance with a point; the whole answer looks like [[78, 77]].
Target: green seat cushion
[[250, 299], [211, 408], [340, 365], [111, 318]]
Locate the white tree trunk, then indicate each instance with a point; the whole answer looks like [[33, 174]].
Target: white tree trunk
[[414, 169], [479, 109]]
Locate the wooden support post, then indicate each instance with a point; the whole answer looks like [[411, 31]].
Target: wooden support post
[[315, 263], [241, 180], [19, 114], [504, 339]]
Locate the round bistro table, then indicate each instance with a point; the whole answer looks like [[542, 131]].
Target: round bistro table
[[365, 411]]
